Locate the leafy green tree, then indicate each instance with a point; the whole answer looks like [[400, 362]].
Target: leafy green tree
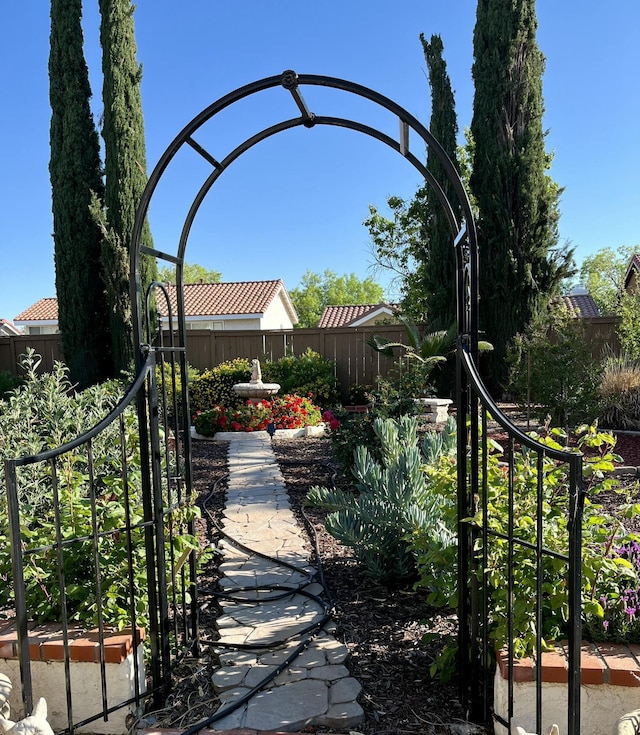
[[76, 175], [520, 263], [603, 276], [191, 273], [316, 291], [125, 168]]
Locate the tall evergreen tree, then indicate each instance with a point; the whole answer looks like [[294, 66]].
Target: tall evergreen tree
[[125, 167], [517, 201], [76, 177], [440, 266]]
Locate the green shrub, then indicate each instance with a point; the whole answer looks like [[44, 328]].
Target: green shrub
[[8, 382], [165, 377], [360, 395], [605, 573], [44, 413], [394, 500], [214, 387], [619, 393], [553, 373], [306, 375]]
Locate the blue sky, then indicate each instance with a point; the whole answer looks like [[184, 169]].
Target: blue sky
[[297, 201]]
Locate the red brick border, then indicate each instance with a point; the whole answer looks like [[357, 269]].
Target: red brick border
[[601, 663], [46, 643]]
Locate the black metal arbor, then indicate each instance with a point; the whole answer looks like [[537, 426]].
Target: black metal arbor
[[158, 500], [473, 402]]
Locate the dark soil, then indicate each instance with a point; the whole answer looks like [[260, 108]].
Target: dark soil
[[384, 628]]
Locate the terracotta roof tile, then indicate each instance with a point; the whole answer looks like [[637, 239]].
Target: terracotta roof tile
[[43, 310], [342, 316], [200, 299], [581, 305], [220, 299]]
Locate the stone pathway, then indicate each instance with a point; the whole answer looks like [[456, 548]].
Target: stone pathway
[[275, 626]]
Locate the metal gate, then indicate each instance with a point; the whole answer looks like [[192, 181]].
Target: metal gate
[[493, 547], [162, 488]]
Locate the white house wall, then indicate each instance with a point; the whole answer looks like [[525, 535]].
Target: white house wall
[[276, 316]]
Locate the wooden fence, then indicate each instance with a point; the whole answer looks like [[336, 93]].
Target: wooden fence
[[355, 361], [48, 346]]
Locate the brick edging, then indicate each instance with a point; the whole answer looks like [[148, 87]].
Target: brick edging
[[601, 663], [46, 643]]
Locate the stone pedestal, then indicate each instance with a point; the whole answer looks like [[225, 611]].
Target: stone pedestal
[[436, 410]]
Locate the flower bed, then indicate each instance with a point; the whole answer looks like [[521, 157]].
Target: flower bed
[[286, 412]]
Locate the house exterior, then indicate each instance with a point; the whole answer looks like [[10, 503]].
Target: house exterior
[[357, 315], [262, 305], [40, 318], [8, 329], [580, 303], [632, 276]]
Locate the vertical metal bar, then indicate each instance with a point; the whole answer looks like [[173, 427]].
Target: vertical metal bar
[[158, 517], [484, 689], [510, 573], [19, 589], [62, 583], [539, 582], [95, 542], [155, 668], [465, 671], [476, 575], [129, 543], [576, 500]]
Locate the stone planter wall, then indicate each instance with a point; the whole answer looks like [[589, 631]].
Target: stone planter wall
[[46, 651]]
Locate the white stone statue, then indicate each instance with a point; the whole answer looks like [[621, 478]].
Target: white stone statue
[[35, 724], [256, 372], [5, 693], [517, 730]]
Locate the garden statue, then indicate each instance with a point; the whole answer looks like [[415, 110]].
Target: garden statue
[[255, 389], [256, 372], [35, 724], [5, 693]]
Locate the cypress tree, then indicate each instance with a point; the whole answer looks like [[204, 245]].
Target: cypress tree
[[517, 202], [440, 266], [125, 167], [76, 177]]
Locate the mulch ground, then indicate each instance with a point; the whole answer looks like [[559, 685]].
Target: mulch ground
[[384, 628]]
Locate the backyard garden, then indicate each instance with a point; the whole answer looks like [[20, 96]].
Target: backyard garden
[[377, 496]]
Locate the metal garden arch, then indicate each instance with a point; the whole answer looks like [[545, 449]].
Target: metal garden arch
[[164, 442], [473, 402]]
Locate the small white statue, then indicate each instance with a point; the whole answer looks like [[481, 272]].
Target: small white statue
[[5, 693], [256, 372], [35, 724], [517, 730]]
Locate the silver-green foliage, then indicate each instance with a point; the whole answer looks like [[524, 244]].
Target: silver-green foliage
[[393, 501]]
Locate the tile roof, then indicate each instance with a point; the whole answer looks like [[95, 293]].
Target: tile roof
[[224, 299], [7, 327], [633, 267], [200, 299], [581, 305], [342, 316], [43, 310]]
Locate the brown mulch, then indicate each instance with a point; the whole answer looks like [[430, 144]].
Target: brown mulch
[[384, 628]]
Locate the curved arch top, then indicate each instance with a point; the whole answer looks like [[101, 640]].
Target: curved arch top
[[463, 236]]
